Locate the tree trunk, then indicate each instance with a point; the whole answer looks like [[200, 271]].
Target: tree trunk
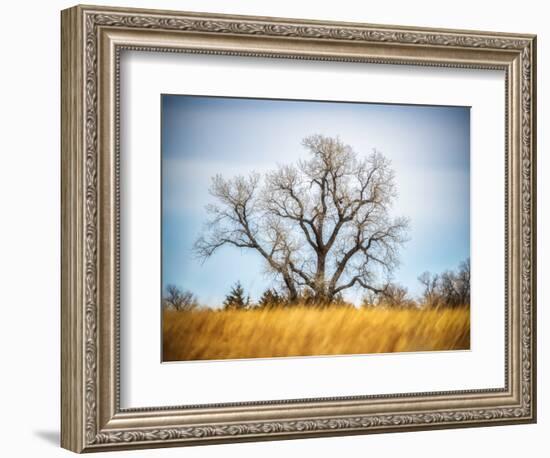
[[292, 292], [321, 293]]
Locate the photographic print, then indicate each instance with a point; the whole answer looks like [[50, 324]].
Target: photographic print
[[312, 228]]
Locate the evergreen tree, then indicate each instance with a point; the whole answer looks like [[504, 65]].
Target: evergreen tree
[[271, 298], [236, 298]]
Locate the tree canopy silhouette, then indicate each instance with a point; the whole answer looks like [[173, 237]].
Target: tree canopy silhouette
[[321, 225], [236, 298], [179, 299]]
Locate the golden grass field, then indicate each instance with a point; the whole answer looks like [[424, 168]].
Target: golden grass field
[[305, 331]]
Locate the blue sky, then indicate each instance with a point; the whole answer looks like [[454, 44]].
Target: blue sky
[[429, 147]]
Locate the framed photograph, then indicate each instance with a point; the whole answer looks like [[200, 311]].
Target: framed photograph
[[278, 228]]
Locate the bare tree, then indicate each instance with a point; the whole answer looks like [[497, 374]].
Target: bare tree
[[447, 288], [463, 282], [450, 289], [370, 299], [179, 300], [393, 296], [396, 295], [430, 296], [322, 224]]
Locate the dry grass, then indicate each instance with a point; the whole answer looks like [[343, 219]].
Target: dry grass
[[302, 331]]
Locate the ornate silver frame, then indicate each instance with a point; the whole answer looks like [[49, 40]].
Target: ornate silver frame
[[92, 39]]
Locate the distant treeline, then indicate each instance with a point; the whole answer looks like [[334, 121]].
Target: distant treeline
[[449, 289]]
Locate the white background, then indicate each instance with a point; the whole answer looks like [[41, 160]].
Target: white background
[[145, 76], [29, 241]]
